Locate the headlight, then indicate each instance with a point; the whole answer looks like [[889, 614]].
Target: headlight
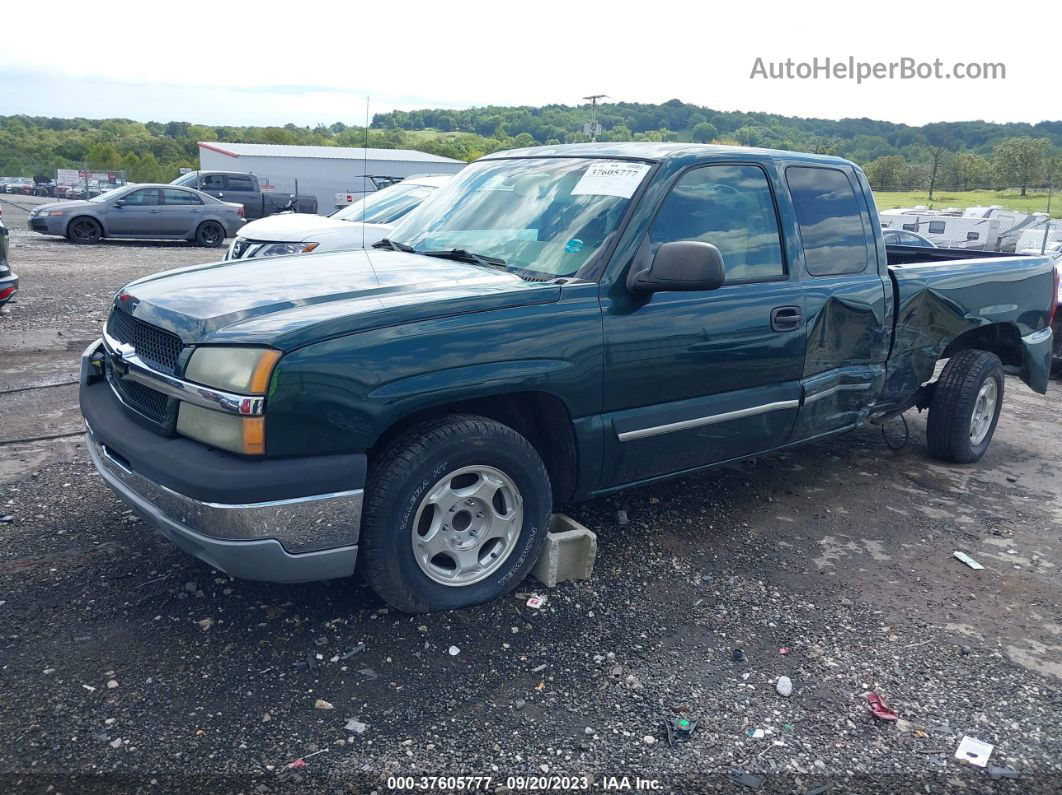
[[57, 212], [244, 435], [283, 249], [245, 371], [241, 370]]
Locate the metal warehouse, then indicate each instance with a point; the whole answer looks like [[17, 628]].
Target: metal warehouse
[[323, 171]]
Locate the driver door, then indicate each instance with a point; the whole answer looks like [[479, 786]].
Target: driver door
[[694, 378], [140, 214]]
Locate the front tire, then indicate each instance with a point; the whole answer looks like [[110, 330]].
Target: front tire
[[84, 230], [210, 234], [456, 514], [965, 407]]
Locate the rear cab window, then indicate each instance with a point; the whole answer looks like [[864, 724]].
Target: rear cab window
[[832, 232], [241, 184]]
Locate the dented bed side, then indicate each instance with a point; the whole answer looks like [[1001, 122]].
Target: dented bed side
[[1000, 304]]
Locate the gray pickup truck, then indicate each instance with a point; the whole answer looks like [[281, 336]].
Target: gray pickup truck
[[555, 324], [246, 189]]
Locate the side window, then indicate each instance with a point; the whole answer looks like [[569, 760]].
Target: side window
[[911, 227], [731, 208], [175, 196], [973, 235], [936, 227], [141, 198], [831, 227], [241, 183], [213, 182]]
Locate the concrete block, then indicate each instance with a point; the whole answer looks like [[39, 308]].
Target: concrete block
[[568, 554]]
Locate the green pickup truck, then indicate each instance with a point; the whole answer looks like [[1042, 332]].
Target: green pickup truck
[[556, 324]]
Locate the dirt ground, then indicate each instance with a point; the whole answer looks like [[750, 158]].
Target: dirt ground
[[127, 665]]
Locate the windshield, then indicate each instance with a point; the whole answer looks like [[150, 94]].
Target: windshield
[[385, 206], [111, 195], [547, 215], [188, 180]]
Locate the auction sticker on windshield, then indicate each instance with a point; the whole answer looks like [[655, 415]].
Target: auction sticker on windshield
[[611, 178]]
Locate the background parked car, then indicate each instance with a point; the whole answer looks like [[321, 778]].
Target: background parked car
[[361, 224], [902, 237], [236, 186], [8, 280], [164, 212]]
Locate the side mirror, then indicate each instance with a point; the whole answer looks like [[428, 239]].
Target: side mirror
[[120, 203], [681, 265]]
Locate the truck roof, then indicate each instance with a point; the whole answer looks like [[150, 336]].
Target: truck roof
[[655, 152]]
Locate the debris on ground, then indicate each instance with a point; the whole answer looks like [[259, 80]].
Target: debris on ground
[[536, 601], [352, 651], [746, 779], [454, 651], [755, 734], [974, 751], [784, 650], [621, 518], [649, 739], [679, 729], [996, 773], [322, 704], [962, 556], [737, 655], [356, 726], [784, 686], [878, 708]]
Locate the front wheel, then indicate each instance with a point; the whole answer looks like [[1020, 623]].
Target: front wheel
[[456, 514], [965, 407], [210, 234], [84, 230]]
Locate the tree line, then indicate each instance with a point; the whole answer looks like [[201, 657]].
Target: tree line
[[896, 156]]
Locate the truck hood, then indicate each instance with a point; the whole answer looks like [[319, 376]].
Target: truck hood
[[287, 302], [295, 227]]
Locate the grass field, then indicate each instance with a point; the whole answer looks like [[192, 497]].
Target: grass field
[[1011, 199]]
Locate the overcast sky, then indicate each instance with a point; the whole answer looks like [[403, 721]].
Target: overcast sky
[[272, 63]]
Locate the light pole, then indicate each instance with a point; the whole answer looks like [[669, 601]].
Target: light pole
[[593, 98]]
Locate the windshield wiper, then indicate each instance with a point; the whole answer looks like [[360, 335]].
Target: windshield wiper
[[464, 255], [393, 245]]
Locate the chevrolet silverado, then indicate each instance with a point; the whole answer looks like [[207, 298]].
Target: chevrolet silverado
[[556, 324]]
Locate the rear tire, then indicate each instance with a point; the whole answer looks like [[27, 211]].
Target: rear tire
[[456, 514], [210, 234], [965, 407], [84, 230]]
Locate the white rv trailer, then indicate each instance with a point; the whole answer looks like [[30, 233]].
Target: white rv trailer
[[989, 228], [947, 231]]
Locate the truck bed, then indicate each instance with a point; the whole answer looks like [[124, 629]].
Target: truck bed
[[913, 255], [941, 295]]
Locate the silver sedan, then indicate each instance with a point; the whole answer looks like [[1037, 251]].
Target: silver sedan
[[151, 212]]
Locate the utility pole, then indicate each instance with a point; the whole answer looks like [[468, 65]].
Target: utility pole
[[592, 129]]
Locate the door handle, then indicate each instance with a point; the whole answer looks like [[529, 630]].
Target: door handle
[[786, 318]]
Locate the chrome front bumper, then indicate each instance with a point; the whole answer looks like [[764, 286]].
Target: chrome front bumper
[[295, 540]]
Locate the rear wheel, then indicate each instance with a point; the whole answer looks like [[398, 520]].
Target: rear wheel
[[84, 230], [455, 514], [210, 234], [965, 407]]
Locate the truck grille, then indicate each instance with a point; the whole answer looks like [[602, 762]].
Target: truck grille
[[147, 401], [158, 348]]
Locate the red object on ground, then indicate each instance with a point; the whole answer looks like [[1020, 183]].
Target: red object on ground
[[300, 762], [784, 650], [878, 707]]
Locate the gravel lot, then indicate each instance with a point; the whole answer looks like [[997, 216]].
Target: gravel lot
[[126, 665]]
